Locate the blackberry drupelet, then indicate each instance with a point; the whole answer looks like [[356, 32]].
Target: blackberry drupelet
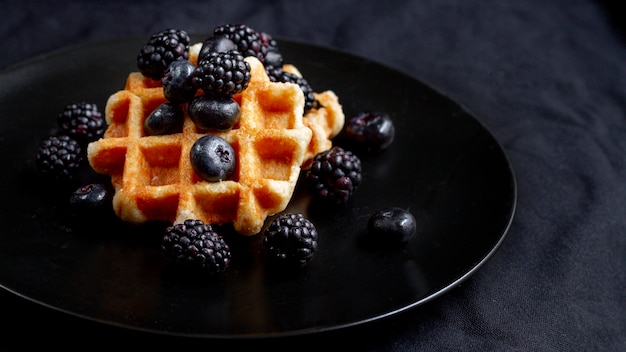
[[291, 239], [59, 157], [222, 74], [161, 50], [277, 74], [248, 41], [82, 121], [195, 245], [334, 175]]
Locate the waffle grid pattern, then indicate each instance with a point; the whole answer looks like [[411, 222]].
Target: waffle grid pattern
[[153, 177]]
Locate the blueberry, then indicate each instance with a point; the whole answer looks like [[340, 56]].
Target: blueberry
[[213, 158], [218, 113], [216, 44], [373, 131], [90, 196], [273, 58], [176, 81], [167, 118], [392, 226]]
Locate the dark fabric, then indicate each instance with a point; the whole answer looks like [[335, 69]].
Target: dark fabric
[[548, 78]]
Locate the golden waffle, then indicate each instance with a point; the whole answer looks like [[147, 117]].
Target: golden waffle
[[153, 176], [325, 122]]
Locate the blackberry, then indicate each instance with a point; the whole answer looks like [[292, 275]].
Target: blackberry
[[195, 245], [161, 50], [334, 175], [277, 74], [291, 238], [248, 41], [82, 121], [222, 74], [59, 157]]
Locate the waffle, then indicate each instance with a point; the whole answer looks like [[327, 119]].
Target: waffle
[[325, 122], [153, 177]]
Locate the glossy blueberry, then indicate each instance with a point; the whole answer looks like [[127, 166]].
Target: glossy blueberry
[[273, 58], [91, 196], [213, 158], [372, 131], [392, 225], [214, 113], [216, 44], [167, 118], [177, 85]]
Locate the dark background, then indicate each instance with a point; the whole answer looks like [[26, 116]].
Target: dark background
[[548, 78]]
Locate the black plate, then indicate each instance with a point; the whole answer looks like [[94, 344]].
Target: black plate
[[443, 166]]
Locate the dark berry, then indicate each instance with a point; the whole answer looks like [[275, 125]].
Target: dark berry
[[177, 82], [215, 44], [59, 157], [82, 121], [213, 158], [291, 239], [372, 131], [247, 40], [195, 245], [392, 226], [334, 175], [273, 56], [91, 196], [214, 113], [274, 59], [277, 74], [167, 118], [222, 74], [161, 50]]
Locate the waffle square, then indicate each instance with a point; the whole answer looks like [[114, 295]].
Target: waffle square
[[153, 177]]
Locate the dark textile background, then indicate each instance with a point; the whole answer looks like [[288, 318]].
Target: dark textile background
[[548, 78]]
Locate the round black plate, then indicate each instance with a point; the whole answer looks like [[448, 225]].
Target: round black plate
[[443, 166]]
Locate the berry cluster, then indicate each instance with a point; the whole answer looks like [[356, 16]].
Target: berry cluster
[[61, 154], [221, 72]]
